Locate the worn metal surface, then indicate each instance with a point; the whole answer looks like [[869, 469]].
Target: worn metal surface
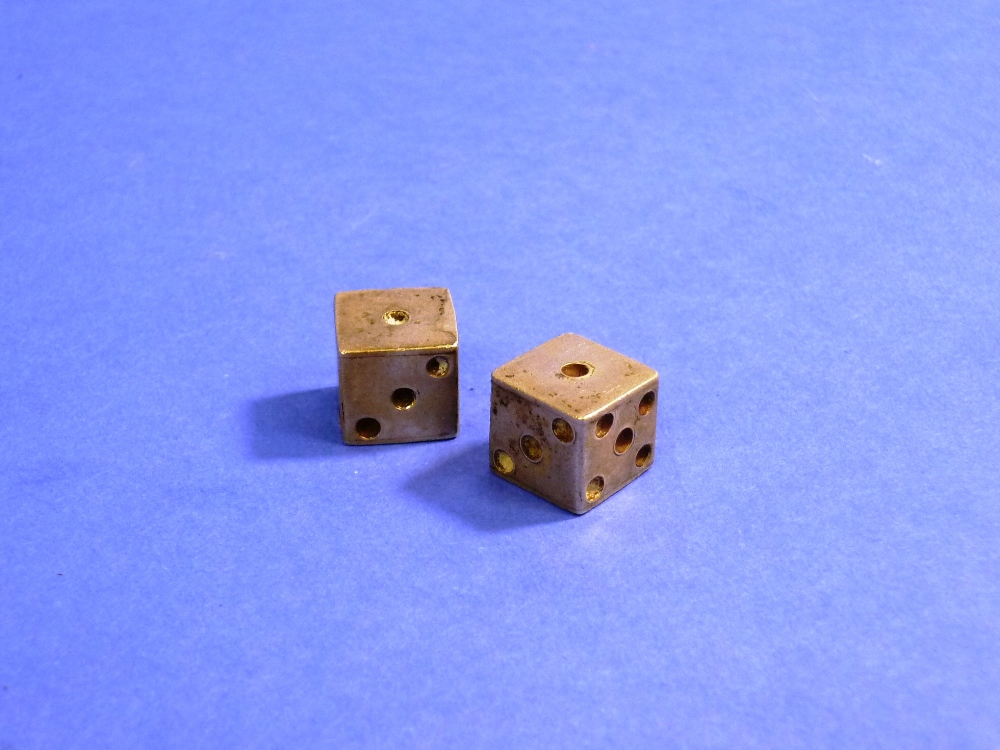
[[398, 362], [366, 323], [573, 421]]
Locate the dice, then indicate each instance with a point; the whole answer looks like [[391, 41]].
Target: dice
[[398, 360], [572, 421]]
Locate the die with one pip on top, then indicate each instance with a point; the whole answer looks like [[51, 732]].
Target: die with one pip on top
[[398, 365], [572, 421]]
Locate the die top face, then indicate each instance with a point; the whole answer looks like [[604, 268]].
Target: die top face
[[385, 321], [574, 375]]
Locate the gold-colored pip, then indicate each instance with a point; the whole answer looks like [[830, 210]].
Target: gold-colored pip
[[573, 421], [398, 362]]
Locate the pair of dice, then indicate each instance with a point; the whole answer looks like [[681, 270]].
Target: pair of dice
[[570, 420]]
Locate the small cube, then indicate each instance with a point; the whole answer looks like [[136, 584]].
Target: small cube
[[573, 421], [398, 359]]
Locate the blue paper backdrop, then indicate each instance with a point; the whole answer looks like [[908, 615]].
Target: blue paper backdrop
[[790, 209]]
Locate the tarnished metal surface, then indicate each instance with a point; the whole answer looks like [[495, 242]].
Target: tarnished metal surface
[[573, 421], [395, 320], [398, 361]]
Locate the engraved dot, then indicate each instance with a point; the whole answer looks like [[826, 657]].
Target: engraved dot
[[396, 317], [531, 449], [503, 462], [438, 367], [595, 488], [644, 456], [577, 370], [562, 430], [604, 425], [403, 398], [646, 405], [367, 428], [624, 440]]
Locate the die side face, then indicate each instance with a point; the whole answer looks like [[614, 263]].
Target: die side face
[[534, 446], [398, 359], [620, 443], [399, 398], [590, 410]]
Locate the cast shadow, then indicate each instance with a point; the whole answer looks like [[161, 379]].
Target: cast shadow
[[304, 424], [463, 485]]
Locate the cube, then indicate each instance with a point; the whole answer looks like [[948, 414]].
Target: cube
[[398, 361], [573, 421]]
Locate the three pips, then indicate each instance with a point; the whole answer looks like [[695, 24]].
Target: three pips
[[570, 420]]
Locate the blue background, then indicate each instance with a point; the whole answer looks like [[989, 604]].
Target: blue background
[[790, 209]]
